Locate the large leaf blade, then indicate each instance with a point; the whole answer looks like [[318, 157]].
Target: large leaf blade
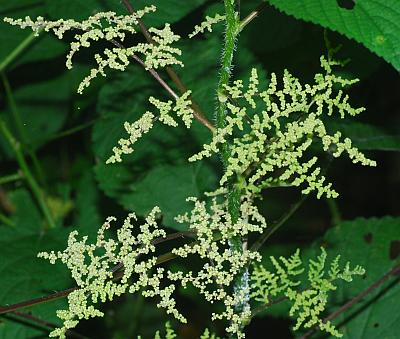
[[373, 23]]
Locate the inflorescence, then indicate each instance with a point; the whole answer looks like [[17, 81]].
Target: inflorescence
[[112, 28], [269, 131]]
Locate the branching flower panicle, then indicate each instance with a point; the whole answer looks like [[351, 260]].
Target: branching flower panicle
[[91, 266], [283, 123], [142, 126], [207, 24], [110, 27], [214, 229], [307, 304]]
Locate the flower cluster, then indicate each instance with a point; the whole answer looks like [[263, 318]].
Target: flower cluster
[[170, 333], [307, 304], [269, 131], [93, 267], [113, 28], [222, 265], [207, 24], [135, 131], [182, 109]]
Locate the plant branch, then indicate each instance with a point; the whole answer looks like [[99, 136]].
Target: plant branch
[[335, 212], [10, 178], [153, 72], [71, 131], [395, 271], [198, 114], [20, 127], [62, 294], [253, 14], [265, 236], [46, 324], [36, 301], [265, 306], [6, 221], [17, 51]]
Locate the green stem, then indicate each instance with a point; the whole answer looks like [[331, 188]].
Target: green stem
[[6, 221], [265, 236], [10, 178], [17, 51], [13, 108], [20, 127], [335, 212], [71, 131], [241, 283], [37, 192]]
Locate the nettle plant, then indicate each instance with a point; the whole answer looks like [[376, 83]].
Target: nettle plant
[[263, 132]]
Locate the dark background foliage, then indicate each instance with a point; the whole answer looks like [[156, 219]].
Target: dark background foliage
[[65, 139]]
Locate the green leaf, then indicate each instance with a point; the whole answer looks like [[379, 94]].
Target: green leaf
[[23, 275], [88, 217], [166, 186], [373, 23], [167, 10], [367, 137], [373, 244]]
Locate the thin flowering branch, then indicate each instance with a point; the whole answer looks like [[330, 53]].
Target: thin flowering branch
[[152, 71], [198, 114], [36, 301]]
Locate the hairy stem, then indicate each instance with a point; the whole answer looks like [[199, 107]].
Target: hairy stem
[[198, 114], [241, 283]]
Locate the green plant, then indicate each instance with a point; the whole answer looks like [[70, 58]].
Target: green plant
[[270, 131]]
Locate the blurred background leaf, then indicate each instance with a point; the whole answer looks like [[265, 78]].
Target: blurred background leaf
[[23, 275], [367, 242]]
